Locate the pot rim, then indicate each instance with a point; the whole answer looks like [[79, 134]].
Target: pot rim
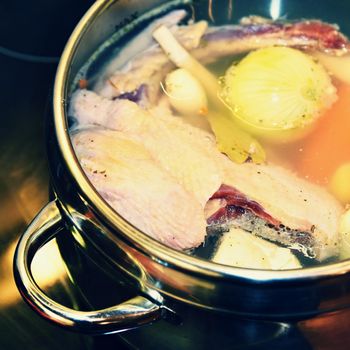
[[140, 240]]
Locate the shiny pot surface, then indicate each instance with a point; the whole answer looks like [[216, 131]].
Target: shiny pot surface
[[168, 282], [100, 285]]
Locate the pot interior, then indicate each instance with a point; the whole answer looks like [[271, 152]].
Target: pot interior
[[101, 34]]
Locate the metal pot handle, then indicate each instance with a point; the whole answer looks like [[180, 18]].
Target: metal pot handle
[[130, 314]]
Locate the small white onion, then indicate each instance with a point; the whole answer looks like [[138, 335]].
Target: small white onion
[[186, 94]]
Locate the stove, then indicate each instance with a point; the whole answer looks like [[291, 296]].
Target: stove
[[32, 37]]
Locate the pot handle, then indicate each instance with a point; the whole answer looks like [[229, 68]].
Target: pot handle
[[130, 314]]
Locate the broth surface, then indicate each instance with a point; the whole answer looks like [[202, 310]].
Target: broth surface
[[121, 150]]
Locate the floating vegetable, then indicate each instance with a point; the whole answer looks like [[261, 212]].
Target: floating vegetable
[[188, 97], [234, 142], [277, 89], [185, 93], [338, 66], [340, 183], [183, 59], [243, 249]]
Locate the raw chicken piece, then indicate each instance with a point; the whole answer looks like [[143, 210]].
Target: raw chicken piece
[[256, 32], [282, 200], [190, 156], [129, 179], [184, 151]]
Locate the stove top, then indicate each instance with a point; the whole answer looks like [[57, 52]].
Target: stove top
[[32, 36]]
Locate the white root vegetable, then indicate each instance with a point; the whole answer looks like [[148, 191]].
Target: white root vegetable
[[185, 93], [242, 249], [344, 231]]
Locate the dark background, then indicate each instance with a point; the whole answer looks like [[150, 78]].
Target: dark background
[[32, 37]]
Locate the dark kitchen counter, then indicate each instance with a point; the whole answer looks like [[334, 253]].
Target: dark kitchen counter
[[32, 36]]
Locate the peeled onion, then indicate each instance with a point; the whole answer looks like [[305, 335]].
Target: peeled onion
[[185, 93], [277, 88]]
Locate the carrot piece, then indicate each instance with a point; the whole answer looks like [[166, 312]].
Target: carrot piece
[[329, 144]]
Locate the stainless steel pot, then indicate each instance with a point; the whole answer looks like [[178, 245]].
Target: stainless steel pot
[[172, 286]]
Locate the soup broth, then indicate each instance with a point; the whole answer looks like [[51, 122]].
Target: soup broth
[[228, 142]]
